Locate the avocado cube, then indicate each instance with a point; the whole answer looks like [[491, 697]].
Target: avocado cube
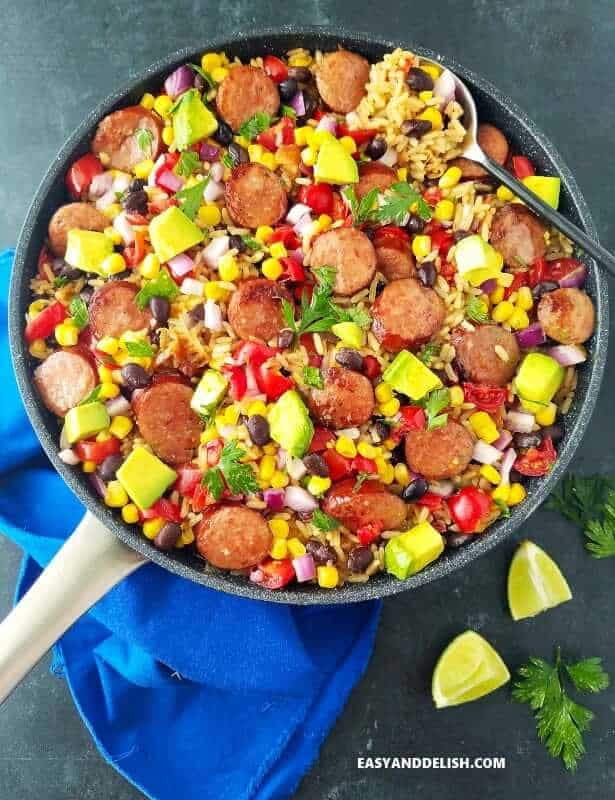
[[290, 424], [334, 164], [83, 421], [477, 260], [412, 551], [209, 392], [546, 187], [407, 374], [172, 232], [145, 477], [538, 378], [87, 250], [349, 333], [192, 120]]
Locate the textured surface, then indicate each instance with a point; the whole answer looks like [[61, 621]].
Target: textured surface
[[83, 57]]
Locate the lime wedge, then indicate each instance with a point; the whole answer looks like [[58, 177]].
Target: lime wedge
[[469, 668], [535, 582]]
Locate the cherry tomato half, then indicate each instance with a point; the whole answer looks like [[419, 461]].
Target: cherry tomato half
[[275, 68], [469, 509], [319, 197], [537, 461], [487, 398]]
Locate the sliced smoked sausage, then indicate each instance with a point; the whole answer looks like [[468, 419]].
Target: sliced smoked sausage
[[341, 79], [442, 453], [255, 196], [245, 92], [567, 315], [113, 310], [346, 399], [82, 216], [395, 259], [255, 309], [406, 314], [233, 537], [494, 143], [64, 379], [167, 422], [117, 136], [518, 235], [488, 355], [374, 175], [351, 253], [370, 503]]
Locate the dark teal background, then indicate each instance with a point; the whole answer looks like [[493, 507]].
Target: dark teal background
[[554, 59]]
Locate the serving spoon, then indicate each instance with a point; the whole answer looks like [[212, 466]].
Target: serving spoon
[[474, 151]]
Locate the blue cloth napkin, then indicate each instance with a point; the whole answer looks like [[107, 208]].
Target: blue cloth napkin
[[187, 692]]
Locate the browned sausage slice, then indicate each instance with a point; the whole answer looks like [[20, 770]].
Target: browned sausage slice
[[406, 314], [113, 310], [167, 422], [255, 309], [488, 355], [351, 253], [442, 453], [82, 216], [341, 79], [395, 259], [374, 175], [116, 136], [255, 196], [567, 315], [518, 235], [370, 503], [64, 379], [494, 143], [233, 537], [245, 92], [346, 400]]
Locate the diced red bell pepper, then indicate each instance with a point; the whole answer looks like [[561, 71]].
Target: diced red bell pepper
[[359, 136], [293, 271], [267, 140], [253, 353], [430, 500], [273, 574], [286, 235], [443, 240], [432, 195], [319, 197], [284, 131], [412, 419], [91, 450], [80, 175], [388, 232], [469, 509], [273, 383], [135, 253], [368, 533], [320, 439], [164, 508], [201, 498], [538, 272], [448, 270], [238, 383], [522, 167], [487, 398], [43, 325], [213, 449], [371, 367], [188, 478], [339, 466], [520, 279], [561, 267], [275, 68], [537, 461], [362, 464], [340, 209]]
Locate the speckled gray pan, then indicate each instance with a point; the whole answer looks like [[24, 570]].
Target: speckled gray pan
[[492, 107]]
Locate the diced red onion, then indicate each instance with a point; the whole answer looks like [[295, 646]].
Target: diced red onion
[[305, 568], [485, 453], [179, 81], [68, 456], [520, 421], [213, 191], [489, 286], [100, 184], [117, 405], [532, 336], [98, 484], [297, 212], [297, 103], [274, 499], [327, 123], [295, 468], [192, 286], [213, 316], [568, 354], [444, 87], [169, 181], [351, 433], [442, 488], [217, 172], [503, 440], [302, 226], [106, 200], [574, 279], [158, 165], [509, 459], [299, 500], [124, 228], [214, 251], [280, 459], [180, 265], [209, 152], [297, 255], [390, 157]]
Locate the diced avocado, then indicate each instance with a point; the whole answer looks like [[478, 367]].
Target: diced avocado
[[209, 392], [172, 232], [407, 374], [87, 250], [334, 164], [192, 120], [546, 187], [538, 378], [477, 260], [410, 552], [290, 424], [349, 333], [145, 477], [83, 421]]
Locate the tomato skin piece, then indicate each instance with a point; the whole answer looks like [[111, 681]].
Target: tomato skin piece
[[487, 398], [430, 500], [293, 271], [91, 450], [238, 383], [561, 267], [522, 167], [273, 383], [339, 466], [164, 508], [135, 253], [469, 508], [80, 175], [538, 272], [43, 325], [286, 235], [320, 439], [537, 461], [432, 195], [275, 68], [389, 232], [413, 419], [359, 136], [273, 574], [319, 197], [362, 464]]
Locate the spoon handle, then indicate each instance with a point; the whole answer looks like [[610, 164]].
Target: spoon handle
[[550, 214]]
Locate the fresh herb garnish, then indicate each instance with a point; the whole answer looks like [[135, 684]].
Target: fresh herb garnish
[[428, 352], [79, 312], [212, 481], [316, 314], [323, 521], [437, 400], [251, 242], [312, 377], [362, 210], [60, 281], [359, 316], [287, 111], [227, 160], [476, 311], [255, 125], [560, 721], [579, 498], [397, 202], [188, 163], [360, 480], [163, 285], [93, 396], [600, 533], [145, 139], [504, 509], [204, 74], [191, 198], [140, 349], [239, 478]]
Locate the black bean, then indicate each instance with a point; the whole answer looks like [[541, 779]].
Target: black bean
[[316, 465], [120, 276], [398, 454], [136, 185], [285, 339], [382, 430], [525, 440], [427, 273], [238, 153], [160, 308], [415, 127], [376, 148], [516, 477], [258, 428], [543, 288], [419, 80], [460, 234], [300, 74], [136, 202], [554, 432], [196, 314], [287, 89], [237, 243], [415, 490], [360, 558], [321, 553], [168, 536], [457, 539], [135, 377], [224, 133], [86, 294], [110, 466], [415, 223], [349, 358]]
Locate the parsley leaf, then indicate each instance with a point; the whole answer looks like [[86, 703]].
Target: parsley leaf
[[255, 125], [240, 478], [163, 285], [212, 481], [504, 509], [323, 521], [476, 311], [353, 314], [600, 533], [437, 400], [227, 160], [312, 377], [205, 75], [79, 312], [60, 281], [397, 202], [141, 349], [192, 197], [317, 314], [287, 111], [428, 352], [92, 397], [251, 243], [145, 139], [588, 675], [188, 163], [578, 497], [361, 478], [362, 210]]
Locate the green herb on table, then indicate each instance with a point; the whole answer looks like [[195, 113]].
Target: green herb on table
[[312, 377], [145, 140], [239, 477], [436, 402], [323, 521], [397, 202], [255, 125], [192, 198], [476, 311], [188, 163], [79, 312], [163, 285], [139, 349], [589, 502]]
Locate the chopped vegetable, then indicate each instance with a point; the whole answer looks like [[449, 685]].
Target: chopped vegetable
[[144, 477], [470, 509], [408, 375], [255, 125]]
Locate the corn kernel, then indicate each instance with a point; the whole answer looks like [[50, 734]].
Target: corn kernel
[[503, 193], [115, 496], [349, 144], [114, 235], [279, 480], [266, 468], [215, 291], [444, 210], [402, 476], [314, 138], [386, 471], [270, 449], [546, 415], [231, 414], [38, 349], [300, 136], [426, 96], [502, 311], [208, 435], [255, 152], [268, 160], [431, 114], [152, 527], [484, 426], [421, 246], [147, 101], [277, 250], [517, 494], [66, 335], [519, 319], [402, 174], [108, 391], [105, 373], [525, 301], [257, 407], [327, 577], [89, 466], [211, 61], [431, 70], [121, 426], [317, 485], [450, 178], [168, 135], [501, 493], [150, 266], [279, 548], [209, 215], [219, 74], [162, 104], [228, 268], [114, 264], [263, 234], [186, 537], [345, 447], [368, 450], [143, 168], [323, 222], [112, 210], [104, 436], [272, 268], [383, 392], [296, 547], [130, 513], [279, 528], [308, 156], [497, 295], [390, 408], [390, 444], [490, 473], [300, 60], [456, 396], [35, 308]]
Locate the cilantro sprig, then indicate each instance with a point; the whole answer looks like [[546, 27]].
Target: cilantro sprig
[[240, 478], [255, 125], [188, 163], [323, 521], [140, 348], [312, 377], [436, 402], [79, 312], [475, 310], [428, 352], [396, 204], [192, 198], [362, 210], [163, 285], [589, 502], [145, 140]]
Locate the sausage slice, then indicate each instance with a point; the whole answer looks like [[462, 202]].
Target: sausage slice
[[351, 253], [395, 259], [116, 136], [233, 537], [64, 379], [255, 309], [255, 196], [442, 453], [518, 235], [370, 503], [346, 400], [82, 216], [113, 310], [567, 315], [167, 422], [494, 143], [243, 93], [341, 79], [374, 175], [479, 359], [406, 314]]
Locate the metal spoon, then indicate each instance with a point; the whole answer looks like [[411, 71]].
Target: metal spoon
[[473, 151]]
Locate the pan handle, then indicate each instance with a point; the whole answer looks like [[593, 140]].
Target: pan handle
[[91, 562]]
